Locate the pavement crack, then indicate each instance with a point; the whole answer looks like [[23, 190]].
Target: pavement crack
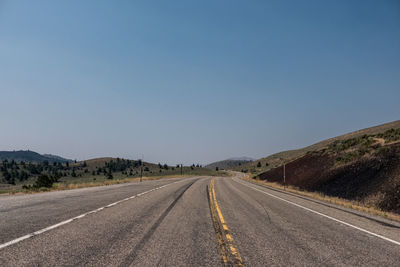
[[258, 202], [228, 251], [222, 247], [266, 211]]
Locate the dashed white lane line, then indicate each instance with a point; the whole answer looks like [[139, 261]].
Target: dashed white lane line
[[17, 240], [323, 215]]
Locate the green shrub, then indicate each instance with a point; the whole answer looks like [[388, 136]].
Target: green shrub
[[390, 135], [340, 145], [43, 181], [109, 175], [27, 187], [383, 149], [348, 157]]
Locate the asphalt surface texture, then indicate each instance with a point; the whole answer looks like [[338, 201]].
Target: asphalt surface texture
[[197, 221]]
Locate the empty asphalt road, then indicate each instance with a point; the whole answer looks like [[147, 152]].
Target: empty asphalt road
[[198, 221]]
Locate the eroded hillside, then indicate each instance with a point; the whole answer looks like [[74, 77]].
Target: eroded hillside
[[364, 169]]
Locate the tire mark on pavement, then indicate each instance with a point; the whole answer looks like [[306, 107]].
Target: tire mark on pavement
[[41, 231], [129, 259]]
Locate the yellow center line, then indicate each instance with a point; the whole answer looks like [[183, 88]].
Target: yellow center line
[[221, 244], [228, 236]]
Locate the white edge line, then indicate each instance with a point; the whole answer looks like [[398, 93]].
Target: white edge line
[[323, 215], [19, 239]]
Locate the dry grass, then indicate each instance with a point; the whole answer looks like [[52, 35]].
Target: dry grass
[[69, 186], [334, 200], [63, 186]]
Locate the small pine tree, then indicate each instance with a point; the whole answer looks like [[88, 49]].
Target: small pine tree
[[109, 174], [43, 181]]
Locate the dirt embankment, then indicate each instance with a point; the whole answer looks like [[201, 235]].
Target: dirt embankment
[[371, 177]]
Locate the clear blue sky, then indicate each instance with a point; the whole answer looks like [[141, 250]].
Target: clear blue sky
[[193, 81]]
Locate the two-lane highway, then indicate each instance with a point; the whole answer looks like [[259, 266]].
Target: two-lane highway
[[200, 221]]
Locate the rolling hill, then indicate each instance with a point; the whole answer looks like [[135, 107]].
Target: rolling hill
[[362, 166], [229, 163], [30, 156], [278, 159]]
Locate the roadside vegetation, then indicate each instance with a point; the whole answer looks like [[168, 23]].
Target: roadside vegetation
[[355, 148], [26, 176]]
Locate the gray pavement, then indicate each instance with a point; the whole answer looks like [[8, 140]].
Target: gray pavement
[[172, 226]]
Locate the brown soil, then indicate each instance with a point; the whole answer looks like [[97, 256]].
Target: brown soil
[[373, 179]]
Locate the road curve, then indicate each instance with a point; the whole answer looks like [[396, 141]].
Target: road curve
[[199, 221]]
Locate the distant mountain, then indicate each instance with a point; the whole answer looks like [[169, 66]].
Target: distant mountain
[[57, 158], [30, 156], [229, 163]]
